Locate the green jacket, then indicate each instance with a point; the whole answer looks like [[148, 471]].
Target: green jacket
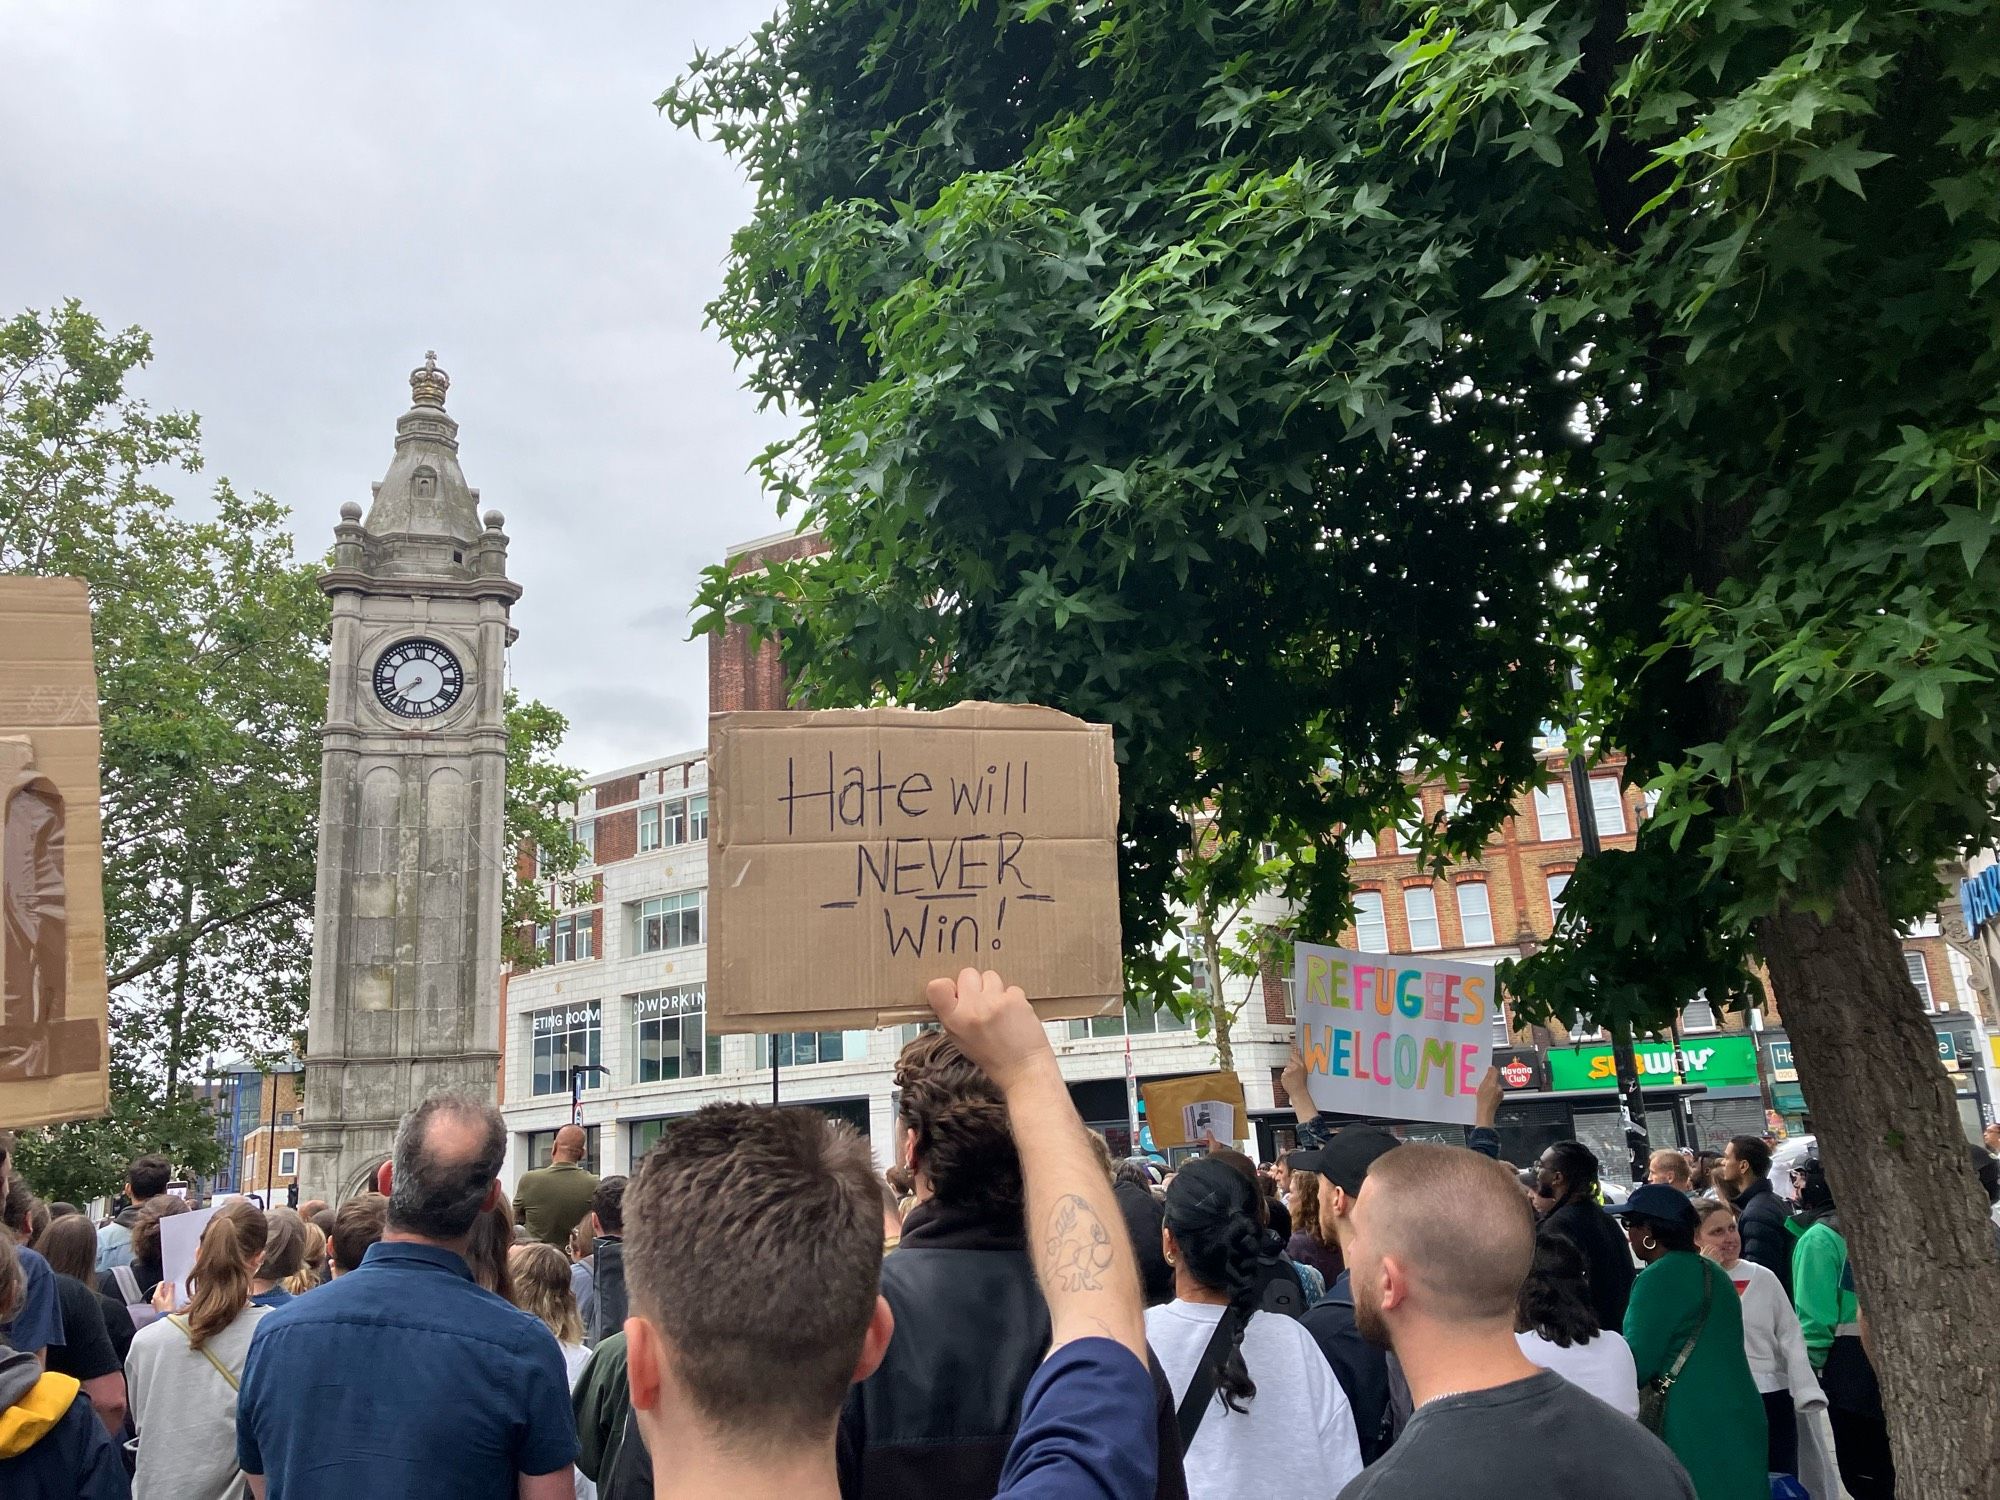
[[600, 1400], [1822, 1291], [1715, 1418], [552, 1200]]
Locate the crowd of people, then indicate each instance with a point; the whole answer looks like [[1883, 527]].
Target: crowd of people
[[758, 1311]]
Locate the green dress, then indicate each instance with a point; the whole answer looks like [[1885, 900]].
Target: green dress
[[1715, 1418]]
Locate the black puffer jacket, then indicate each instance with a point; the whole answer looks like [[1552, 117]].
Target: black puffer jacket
[[1760, 1219], [934, 1422]]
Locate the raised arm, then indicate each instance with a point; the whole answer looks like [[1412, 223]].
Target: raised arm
[[1083, 1256]]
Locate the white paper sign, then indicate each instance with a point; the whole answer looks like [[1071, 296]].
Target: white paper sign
[[1209, 1117], [180, 1237], [1394, 1035]]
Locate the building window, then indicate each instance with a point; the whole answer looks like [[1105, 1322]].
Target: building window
[[798, 1049], [288, 1162], [1920, 976], [667, 1027], [565, 1037], [674, 818], [1138, 1018], [1608, 803], [1453, 801], [1407, 830], [575, 938], [586, 838], [1551, 814], [1197, 962], [1371, 928], [1289, 983], [1557, 885], [649, 827], [285, 1118], [1475, 914], [1361, 846], [1266, 852], [665, 922], [1923, 927], [1698, 1014], [1503, 1030], [698, 818], [1420, 910]]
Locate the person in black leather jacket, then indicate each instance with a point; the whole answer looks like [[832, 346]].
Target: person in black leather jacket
[[934, 1421], [1760, 1214]]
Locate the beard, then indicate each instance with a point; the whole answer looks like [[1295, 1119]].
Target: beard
[[1368, 1315]]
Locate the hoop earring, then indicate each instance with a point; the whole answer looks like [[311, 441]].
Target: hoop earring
[[1649, 1243], [1172, 1261]]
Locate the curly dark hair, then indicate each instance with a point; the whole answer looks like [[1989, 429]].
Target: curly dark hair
[[1212, 1212], [963, 1143], [1555, 1298]]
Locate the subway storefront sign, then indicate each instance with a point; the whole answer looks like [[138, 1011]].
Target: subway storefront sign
[[1719, 1062]]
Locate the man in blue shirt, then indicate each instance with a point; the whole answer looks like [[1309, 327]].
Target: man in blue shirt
[[405, 1377], [753, 1254]]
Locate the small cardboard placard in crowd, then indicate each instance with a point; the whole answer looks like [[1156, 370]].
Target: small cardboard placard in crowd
[[1181, 1111], [53, 1063], [1396, 1035], [856, 854]]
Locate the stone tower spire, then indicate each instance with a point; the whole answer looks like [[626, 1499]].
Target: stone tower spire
[[406, 939]]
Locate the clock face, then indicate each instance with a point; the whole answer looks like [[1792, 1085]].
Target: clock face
[[418, 679]]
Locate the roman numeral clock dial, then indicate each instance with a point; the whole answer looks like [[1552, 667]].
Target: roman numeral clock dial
[[418, 679]]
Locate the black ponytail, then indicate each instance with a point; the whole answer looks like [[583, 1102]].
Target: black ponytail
[[1212, 1210]]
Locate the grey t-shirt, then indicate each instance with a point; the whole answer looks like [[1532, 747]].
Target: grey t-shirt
[[1535, 1439]]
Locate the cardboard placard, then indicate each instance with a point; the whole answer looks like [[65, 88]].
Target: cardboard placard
[[1394, 1035], [856, 854], [1175, 1104], [53, 1063]]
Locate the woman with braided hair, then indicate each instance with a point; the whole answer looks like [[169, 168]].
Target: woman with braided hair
[[1267, 1417]]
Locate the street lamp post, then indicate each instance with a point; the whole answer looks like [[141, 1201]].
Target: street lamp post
[[1631, 1098], [577, 1073]]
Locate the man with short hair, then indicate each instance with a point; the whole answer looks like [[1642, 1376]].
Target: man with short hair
[[549, 1201], [1442, 1240], [1670, 1168], [606, 1313], [404, 1376], [1760, 1216], [147, 1177], [754, 1254], [359, 1224]]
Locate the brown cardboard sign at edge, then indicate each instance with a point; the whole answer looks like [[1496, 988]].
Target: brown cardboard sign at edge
[[1167, 1098], [855, 854], [52, 983]]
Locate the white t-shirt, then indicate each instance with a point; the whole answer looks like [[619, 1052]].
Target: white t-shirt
[[1604, 1367], [1772, 1338], [1294, 1438]]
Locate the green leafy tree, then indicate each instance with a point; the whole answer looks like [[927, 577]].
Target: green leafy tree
[[212, 674], [1304, 390]]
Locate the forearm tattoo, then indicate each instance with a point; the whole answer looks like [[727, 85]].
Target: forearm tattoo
[[1079, 1248]]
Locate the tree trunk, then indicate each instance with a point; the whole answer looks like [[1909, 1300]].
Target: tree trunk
[[1897, 1159], [177, 1012], [1218, 1003]]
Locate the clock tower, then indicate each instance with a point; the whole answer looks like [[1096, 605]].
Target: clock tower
[[406, 926]]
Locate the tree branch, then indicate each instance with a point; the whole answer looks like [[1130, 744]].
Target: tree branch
[[163, 952]]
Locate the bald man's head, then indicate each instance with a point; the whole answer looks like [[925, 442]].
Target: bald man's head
[[448, 1155], [569, 1144], [1439, 1233]]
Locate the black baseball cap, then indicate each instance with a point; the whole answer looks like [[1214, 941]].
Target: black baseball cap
[[1655, 1200], [1344, 1161]]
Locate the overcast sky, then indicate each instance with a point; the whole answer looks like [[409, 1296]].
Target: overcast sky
[[297, 200]]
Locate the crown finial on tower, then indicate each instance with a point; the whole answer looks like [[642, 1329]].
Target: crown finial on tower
[[428, 383]]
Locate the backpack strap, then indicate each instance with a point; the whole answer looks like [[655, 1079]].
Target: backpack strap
[[205, 1352], [1201, 1389]]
